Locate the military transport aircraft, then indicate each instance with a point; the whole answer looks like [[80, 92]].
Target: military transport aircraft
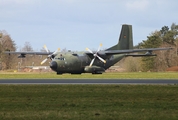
[[95, 62]]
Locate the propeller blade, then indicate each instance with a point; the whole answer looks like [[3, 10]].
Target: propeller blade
[[89, 50], [44, 61], [99, 47], [92, 61], [50, 55], [101, 59], [96, 55], [56, 51], [46, 48]]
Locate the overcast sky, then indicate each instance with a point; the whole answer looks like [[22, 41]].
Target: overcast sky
[[77, 24]]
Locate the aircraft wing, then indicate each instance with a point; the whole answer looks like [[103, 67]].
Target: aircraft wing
[[24, 53], [147, 50]]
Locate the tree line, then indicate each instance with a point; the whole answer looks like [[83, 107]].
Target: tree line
[[6, 44], [165, 37], [11, 61]]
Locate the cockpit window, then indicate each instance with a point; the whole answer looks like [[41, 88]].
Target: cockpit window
[[61, 58]]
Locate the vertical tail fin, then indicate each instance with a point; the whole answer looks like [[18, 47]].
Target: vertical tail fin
[[125, 39]]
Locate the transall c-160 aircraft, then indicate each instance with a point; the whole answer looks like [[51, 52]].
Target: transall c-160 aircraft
[[95, 62]]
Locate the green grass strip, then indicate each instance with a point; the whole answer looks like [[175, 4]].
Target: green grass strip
[[141, 75], [88, 102]]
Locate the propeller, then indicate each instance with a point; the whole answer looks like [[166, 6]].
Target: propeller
[[96, 55], [50, 55]]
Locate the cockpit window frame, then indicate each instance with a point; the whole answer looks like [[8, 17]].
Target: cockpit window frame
[[60, 58]]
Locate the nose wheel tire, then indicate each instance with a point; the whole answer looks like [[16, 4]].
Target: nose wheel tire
[[59, 73]]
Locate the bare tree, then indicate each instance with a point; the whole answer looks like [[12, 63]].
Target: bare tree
[[27, 47], [27, 61]]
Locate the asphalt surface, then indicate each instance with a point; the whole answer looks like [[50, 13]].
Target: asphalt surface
[[88, 81]]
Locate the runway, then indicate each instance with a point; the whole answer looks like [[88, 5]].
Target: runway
[[88, 81]]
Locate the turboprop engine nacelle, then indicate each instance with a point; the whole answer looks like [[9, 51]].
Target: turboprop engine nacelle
[[94, 69]]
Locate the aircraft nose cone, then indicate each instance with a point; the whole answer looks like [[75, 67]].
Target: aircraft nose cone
[[53, 65]]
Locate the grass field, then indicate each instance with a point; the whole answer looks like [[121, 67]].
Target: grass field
[[89, 102], [154, 75], [102, 102]]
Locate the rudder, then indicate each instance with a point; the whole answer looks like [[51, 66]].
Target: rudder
[[125, 39]]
